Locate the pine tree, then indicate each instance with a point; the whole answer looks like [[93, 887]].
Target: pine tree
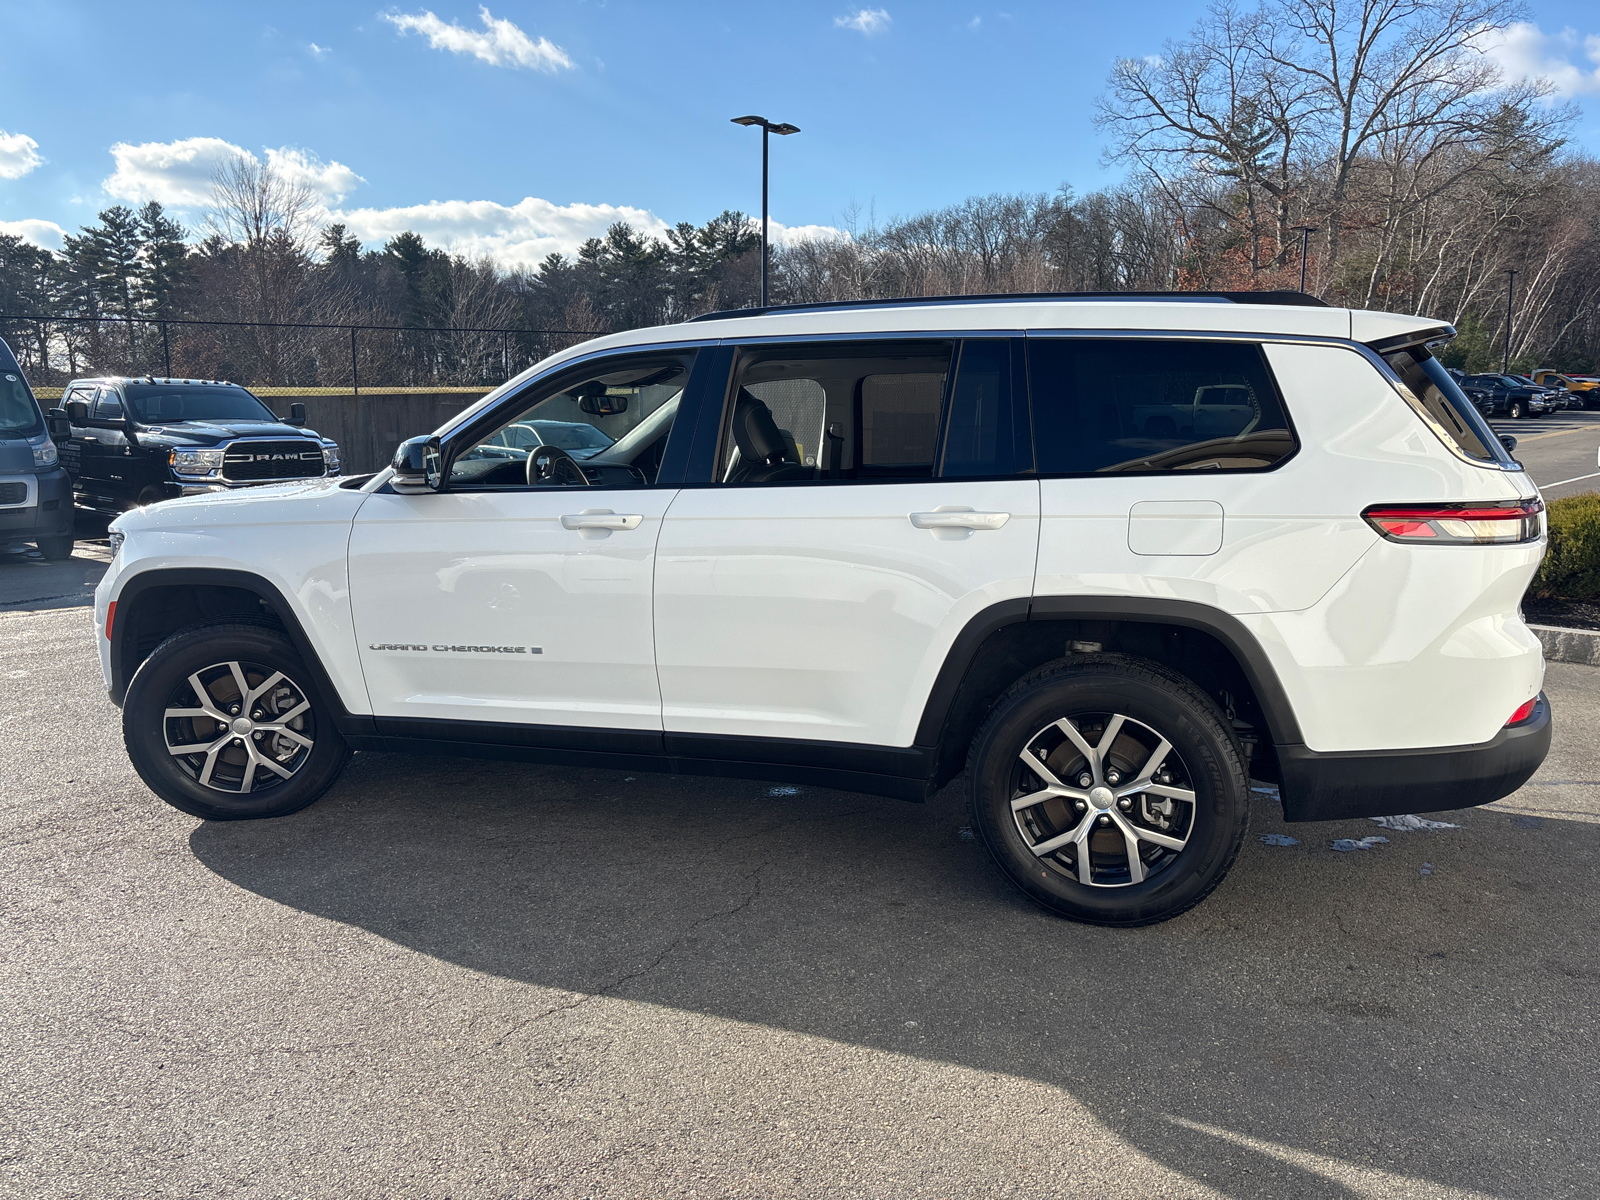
[[165, 270]]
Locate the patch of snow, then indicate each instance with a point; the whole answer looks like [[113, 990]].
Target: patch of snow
[[1406, 823], [1366, 843], [783, 791], [1279, 839]]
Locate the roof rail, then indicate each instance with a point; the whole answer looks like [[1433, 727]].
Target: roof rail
[[1296, 299]]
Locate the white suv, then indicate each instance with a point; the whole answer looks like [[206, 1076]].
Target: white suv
[[1112, 556]]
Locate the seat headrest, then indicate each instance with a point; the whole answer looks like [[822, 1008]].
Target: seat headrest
[[754, 430]]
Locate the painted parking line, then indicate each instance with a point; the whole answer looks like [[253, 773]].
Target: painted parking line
[[1574, 479]]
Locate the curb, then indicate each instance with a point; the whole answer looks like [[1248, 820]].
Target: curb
[[1569, 645]]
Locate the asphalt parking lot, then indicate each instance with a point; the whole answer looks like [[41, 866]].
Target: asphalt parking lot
[[1561, 451], [464, 979]]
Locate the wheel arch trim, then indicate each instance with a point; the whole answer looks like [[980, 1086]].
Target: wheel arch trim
[[1228, 630], [128, 596]]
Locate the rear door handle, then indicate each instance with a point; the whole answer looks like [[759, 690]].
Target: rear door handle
[[959, 518], [601, 520]]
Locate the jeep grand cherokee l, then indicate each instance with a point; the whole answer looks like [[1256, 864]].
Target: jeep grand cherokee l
[[1108, 558]]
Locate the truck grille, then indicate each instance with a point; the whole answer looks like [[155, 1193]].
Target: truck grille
[[255, 462], [13, 493]]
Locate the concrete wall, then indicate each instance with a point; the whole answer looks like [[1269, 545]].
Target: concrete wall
[[368, 427]]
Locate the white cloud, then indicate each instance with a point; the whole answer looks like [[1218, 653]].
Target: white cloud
[[318, 51], [866, 20], [19, 154], [523, 234], [500, 43], [179, 173], [517, 235], [1524, 51], [41, 233], [331, 181], [792, 235]]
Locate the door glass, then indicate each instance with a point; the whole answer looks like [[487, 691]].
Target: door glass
[[605, 429], [108, 407], [1131, 405], [979, 434], [834, 413]]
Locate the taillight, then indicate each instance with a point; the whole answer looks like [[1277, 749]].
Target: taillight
[[1523, 713], [1491, 523], [111, 615]]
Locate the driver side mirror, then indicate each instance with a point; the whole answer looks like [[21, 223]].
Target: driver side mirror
[[59, 424], [78, 412], [297, 414], [418, 466], [595, 402], [1509, 442]]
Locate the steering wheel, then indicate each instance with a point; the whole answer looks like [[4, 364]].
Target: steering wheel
[[552, 465]]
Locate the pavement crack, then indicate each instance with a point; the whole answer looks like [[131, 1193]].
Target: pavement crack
[[754, 893]]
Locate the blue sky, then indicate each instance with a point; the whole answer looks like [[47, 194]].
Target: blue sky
[[524, 127]]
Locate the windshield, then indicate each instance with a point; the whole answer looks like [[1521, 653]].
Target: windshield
[[171, 403], [19, 415], [570, 436], [1439, 400]]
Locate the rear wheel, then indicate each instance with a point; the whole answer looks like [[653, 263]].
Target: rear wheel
[[1109, 791], [55, 549], [223, 722]]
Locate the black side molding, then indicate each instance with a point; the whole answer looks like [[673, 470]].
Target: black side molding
[[1382, 783]]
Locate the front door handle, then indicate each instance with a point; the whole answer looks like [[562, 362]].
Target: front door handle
[[959, 518], [601, 520]]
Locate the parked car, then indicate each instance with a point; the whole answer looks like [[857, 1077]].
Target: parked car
[[1556, 398], [1505, 396], [35, 494], [984, 564], [1584, 389], [140, 441]]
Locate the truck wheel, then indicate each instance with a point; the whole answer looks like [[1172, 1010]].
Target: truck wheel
[[224, 722], [1109, 790], [1515, 411], [55, 549]]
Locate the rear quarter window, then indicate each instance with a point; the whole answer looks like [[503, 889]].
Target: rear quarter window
[[1433, 393], [1132, 406]]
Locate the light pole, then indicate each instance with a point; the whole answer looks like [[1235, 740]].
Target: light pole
[[1511, 284], [1305, 232], [783, 130]]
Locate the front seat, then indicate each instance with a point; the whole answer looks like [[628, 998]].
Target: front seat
[[764, 455]]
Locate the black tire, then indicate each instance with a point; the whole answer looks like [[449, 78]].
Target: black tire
[[1515, 410], [1155, 704], [56, 548], [162, 683]]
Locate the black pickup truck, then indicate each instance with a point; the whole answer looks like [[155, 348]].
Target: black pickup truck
[[1505, 396], [139, 441]]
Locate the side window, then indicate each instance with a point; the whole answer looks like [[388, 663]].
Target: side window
[[863, 411], [109, 406], [607, 426], [1130, 405]]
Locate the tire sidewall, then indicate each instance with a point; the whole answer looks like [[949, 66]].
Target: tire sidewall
[[168, 667], [1198, 737]]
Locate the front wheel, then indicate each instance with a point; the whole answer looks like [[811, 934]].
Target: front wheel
[[1109, 791], [55, 549], [1515, 411], [223, 722]]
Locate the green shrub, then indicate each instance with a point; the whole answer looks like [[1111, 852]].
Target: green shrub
[[1571, 567]]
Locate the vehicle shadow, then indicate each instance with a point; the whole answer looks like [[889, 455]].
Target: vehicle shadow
[[1427, 1029]]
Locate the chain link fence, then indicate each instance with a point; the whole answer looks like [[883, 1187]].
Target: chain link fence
[[278, 358]]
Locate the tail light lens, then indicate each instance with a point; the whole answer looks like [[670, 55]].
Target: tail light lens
[[111, 615], [1523, 713], [1492, 523]]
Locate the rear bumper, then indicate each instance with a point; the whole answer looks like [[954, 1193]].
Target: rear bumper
[[1381, 783]]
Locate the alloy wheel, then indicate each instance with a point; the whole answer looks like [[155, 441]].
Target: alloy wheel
[[1103, 799], [239, 727]]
